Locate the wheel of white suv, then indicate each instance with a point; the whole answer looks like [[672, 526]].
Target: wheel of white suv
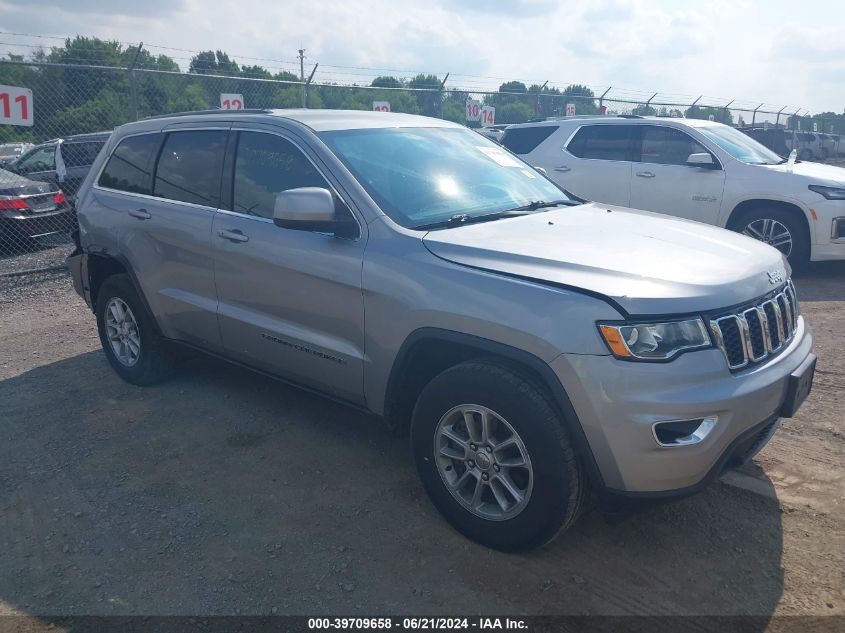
[[495, 457], [132, 344], [779, 228]]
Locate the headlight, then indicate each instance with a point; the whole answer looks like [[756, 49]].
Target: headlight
[[831, 193], [654, 341]]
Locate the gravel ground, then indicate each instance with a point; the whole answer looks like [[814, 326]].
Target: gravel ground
[[223, 492]]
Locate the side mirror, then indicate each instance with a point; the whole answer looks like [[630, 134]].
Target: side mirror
[[701, 159], [312, 209]]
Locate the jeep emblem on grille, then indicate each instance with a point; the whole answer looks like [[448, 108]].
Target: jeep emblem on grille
[[775, 277]]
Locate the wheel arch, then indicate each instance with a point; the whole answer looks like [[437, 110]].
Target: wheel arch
[[750, 204], [426, 352], [101, 266]]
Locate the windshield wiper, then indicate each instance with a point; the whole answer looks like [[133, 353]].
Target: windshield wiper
[[463, 218], [542, 204]]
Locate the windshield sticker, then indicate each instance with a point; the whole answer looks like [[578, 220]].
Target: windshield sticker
[[500, 156], [528, 174]]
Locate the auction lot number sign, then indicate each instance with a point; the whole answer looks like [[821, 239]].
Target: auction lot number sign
[[478, 112], [15, 106], [231, 102], [381, 106]]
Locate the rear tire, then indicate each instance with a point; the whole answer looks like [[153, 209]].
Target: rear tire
[[133, 346], [774, 226], [523, 427]]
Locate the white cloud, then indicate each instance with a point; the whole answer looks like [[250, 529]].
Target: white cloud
[[734, 49]]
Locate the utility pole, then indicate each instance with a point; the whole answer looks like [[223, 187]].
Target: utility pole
[[302, 73]]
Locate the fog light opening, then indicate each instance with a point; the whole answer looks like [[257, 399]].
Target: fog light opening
[[683, 432]]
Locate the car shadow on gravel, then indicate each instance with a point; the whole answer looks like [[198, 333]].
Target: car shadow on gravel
[[224, 492], [821, 281]]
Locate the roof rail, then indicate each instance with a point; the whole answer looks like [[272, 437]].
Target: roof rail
[[214, 111]]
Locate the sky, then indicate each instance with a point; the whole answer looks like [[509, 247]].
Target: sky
[[773, 51]]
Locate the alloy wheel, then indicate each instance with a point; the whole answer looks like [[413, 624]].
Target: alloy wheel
[[483, 462], [771, 232], [122, 332]]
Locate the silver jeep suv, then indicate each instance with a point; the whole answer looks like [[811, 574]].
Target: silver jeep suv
[[540, 349]]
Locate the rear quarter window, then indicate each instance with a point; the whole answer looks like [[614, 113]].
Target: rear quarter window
[[524, 140], [128, 167]]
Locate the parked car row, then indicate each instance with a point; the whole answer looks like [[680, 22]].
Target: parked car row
[[693, 169], [10, 152], [38, 187], [808, 145]]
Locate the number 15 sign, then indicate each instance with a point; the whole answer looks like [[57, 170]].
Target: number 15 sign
[[15, 106]]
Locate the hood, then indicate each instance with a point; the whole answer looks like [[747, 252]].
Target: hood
[[647, 263], [815, 172]]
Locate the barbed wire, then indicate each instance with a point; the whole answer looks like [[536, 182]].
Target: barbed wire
[[340, 74]]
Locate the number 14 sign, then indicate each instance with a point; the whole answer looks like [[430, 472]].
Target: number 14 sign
[[15, 106]]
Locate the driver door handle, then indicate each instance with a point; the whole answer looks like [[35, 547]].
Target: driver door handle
[[562, 168], [140, 214], [645, 174], [233, 235]]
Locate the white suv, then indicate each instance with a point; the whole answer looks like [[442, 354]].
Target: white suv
[[700, 170]]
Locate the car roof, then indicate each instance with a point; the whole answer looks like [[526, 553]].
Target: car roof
[[619, 120], [318, 120], [89, 136]]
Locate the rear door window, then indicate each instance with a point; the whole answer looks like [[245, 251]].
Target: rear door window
[[667, 146], [81, 154], [189, 165], [128, 168], [602, 142], [524, 140]]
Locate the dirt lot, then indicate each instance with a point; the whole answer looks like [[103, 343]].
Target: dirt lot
[[223, 492]]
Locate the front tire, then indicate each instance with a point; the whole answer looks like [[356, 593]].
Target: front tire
[[130, 339], [495, 457], [780, 228]]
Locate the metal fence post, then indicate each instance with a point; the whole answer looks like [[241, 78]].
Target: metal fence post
[[308, 87], [440, 96], [133, 85]]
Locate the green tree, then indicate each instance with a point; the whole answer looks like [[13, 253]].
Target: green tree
[[427, 93], [386, 82], [722, 115]]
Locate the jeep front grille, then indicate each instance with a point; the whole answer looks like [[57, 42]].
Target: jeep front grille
[[753, 333]]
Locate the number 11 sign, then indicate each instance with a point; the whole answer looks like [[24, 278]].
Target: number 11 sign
[[15, 106]]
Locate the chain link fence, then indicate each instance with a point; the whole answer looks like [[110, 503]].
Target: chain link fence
[[67, 111]]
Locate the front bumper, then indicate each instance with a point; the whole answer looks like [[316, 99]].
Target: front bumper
[[619, 402], [829, 220]]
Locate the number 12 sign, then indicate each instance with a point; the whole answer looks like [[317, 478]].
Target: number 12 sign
[[15, 106], [231, 102]]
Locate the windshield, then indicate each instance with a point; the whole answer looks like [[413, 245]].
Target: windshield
[[420, 176], [740, 145]]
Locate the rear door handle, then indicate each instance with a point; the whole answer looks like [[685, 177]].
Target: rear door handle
[[645, 174], [140, 214], [233, 236], [562, 168]]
